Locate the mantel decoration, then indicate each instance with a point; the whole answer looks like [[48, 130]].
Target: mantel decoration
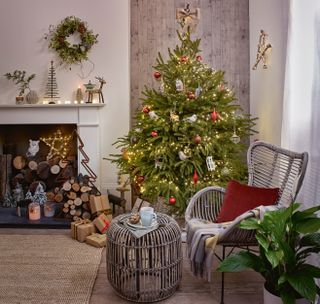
[[21, 79], [71, 53]]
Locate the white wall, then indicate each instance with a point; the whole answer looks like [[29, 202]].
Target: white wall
[[266, 85], [22, 28]]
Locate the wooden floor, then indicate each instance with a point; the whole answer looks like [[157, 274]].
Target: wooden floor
[[243, 287]]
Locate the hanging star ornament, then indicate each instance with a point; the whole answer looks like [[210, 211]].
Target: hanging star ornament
[[58, 144]]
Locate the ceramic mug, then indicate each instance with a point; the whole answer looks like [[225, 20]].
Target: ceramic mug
[[147, 215]]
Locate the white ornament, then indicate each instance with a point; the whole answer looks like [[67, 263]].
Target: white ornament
[[198, 92], [158, 163], [33, 147], [182, 156], [210, 163], [138, 130], [179, 85], [192, 118], [225, 171], [161, 88], [235, 138], [153, 115]]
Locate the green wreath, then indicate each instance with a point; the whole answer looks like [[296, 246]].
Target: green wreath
[[74, 53]]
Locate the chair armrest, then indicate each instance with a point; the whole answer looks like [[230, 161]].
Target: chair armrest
[[205, 204]]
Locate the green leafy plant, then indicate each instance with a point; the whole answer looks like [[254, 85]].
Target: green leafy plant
[[286, 239], [21, 79]]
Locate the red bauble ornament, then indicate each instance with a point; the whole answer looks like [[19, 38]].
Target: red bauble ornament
[[140, 179], [191, 95], [146, 110], [199, 58], [172, 200], [154, 133], [184, 58], [156, 74], [197, 139], [195, 177], [214, 116]]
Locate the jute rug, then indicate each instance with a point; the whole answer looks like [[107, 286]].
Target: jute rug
[[51, 269]]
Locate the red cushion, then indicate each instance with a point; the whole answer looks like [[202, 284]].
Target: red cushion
[[241, 198]]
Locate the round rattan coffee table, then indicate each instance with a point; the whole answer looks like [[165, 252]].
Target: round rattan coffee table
[[148, 268]]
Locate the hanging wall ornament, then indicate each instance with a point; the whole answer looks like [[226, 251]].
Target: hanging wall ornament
[[198, 92], [179, 85], [211, 165], [195, 177], [193, 118], [153, 115]]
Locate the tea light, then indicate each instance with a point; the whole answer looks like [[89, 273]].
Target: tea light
[[34, 211]]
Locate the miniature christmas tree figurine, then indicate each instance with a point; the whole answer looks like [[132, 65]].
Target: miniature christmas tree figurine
[[186, 136], [17, 194], [52, 93], [39, 195], [8, 200], [29, 195]]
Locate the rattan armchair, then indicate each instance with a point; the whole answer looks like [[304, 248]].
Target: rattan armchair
[[269, 166]]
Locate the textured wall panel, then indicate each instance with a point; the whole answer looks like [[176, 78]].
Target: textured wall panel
[[223, 29]]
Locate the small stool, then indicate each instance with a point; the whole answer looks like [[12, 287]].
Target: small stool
[[148, 268]]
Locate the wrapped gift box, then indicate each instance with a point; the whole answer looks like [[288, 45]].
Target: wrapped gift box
[[81, 229], [97, 240], [102, 222], [99, 204]]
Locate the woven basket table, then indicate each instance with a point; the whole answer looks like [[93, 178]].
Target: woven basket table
[[145, 269]]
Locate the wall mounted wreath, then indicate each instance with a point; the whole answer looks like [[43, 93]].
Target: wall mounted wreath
[[69, 52]]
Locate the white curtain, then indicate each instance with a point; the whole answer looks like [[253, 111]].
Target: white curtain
[[301, 108]]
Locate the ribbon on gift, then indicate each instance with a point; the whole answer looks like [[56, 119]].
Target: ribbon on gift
[[185, 13], [76, 224], [107, 224]]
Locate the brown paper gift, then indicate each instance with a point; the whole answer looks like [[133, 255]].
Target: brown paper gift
[[81, 229], [97, 240], [102, 222], [99, 203]]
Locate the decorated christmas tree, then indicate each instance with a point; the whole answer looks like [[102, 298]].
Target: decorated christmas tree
[[187, 134]]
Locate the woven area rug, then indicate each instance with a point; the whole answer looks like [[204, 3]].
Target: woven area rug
[[47, 269]]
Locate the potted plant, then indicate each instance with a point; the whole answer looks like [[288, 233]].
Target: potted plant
[[22, 80], [286, 239]]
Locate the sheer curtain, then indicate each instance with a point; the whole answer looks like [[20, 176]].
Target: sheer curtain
[[301, 107]]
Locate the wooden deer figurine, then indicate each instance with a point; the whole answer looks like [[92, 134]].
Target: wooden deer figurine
[[96, 91]]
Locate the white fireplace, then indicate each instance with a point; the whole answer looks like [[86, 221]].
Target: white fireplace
[[85, 116]]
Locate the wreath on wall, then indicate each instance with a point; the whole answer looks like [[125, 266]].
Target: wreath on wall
[[69, 52]]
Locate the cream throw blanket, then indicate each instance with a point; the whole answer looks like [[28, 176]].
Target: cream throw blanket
[[203, 236]]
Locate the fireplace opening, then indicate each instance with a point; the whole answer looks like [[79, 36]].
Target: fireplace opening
[[35, 161]]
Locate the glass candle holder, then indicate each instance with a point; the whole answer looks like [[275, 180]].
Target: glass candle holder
[[34, 211]]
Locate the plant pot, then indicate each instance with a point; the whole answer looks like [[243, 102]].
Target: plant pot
[[19, 99], [269, 298], [32, 97]]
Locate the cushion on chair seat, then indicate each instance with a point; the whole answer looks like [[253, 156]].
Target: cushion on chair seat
[[240, 198]]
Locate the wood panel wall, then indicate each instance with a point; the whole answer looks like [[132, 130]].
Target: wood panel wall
[[223, 29]]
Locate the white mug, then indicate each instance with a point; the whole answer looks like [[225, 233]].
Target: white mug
[[147, 215]]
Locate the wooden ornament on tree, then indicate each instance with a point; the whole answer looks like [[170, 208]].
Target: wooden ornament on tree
[[52, 93]]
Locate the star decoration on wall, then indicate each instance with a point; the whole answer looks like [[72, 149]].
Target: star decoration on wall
[[58, 144]]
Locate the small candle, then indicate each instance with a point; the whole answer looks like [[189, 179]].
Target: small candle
[[59, 102], [75, 102], [34, 211], [67, 102]]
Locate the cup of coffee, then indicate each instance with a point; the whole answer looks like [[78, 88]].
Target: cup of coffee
[[147, 215]]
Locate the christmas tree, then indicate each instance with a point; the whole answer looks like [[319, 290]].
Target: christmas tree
[[187, 134], [39, 195], [52, 88]]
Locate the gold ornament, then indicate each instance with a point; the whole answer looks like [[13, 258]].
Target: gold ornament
[[58, 144], [174, 117]]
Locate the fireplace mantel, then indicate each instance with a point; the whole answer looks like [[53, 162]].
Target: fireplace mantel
[[85, 116]]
